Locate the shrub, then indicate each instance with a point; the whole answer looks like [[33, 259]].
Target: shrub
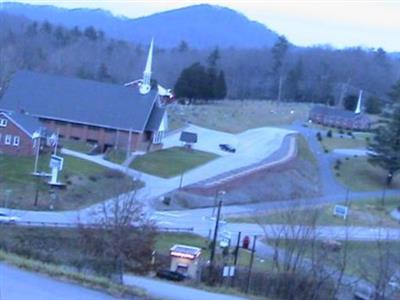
[[329, 134], [113, 174], [93, 178], [166, 200], [373, 105], [319, 136]]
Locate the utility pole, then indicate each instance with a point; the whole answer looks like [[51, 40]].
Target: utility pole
[[128, 148], [251, 263], [37, 143], [236, 256], [214, 242], [217, 194]]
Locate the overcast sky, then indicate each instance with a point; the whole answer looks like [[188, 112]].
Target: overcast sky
[[336, 22]]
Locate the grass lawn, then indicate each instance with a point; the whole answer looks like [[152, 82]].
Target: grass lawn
[[359, 175], [171, 162], [361, 213], [362, 258], [343, 143], [247, 114], [116, 156], [86, 184]]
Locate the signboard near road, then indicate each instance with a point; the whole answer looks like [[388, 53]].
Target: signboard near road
[[340, 211], [229, 271], [225, 239], [56, 162]]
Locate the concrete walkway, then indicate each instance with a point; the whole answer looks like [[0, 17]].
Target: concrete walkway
[[170, 291]]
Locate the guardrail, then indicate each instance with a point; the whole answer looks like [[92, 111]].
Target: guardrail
[[84, 225]]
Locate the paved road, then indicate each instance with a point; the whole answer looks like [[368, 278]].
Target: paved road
[[196, 218], [17, 284], [171, 291]]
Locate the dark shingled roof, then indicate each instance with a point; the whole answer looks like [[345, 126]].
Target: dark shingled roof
[[155, 118], [27, 123], [80, 101], [188, 137]]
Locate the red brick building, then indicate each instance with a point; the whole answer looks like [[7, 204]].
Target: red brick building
[[104, 114], [17, 132], [339, 118]]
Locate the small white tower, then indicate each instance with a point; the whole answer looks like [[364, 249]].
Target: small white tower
[[358, 108], [146, 83]]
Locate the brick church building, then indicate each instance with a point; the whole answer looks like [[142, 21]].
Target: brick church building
[[129, 117]]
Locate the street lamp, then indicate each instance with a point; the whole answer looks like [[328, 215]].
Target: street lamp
[[218, 194]]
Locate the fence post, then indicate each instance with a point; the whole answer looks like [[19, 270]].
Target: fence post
[[251, 264]]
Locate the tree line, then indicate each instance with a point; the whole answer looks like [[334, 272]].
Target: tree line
[[283, 72]]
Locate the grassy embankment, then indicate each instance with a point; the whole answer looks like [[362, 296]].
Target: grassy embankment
[[359, 175], [370, 213]]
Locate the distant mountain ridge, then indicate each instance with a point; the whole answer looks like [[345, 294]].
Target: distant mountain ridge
[[201, 26]]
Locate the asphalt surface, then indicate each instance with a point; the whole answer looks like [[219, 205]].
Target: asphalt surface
[[170, 291], [17, 284]]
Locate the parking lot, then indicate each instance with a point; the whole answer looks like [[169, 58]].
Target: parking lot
[[251, 146]]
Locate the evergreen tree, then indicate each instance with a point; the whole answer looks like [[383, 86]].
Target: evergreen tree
[[385, 147], [394, 93], [293, 81], [350, 102], [192, 83], [90, 33], [278, 52], [183, 46], [103, 74], [210, 87], [373, 105], [220, 86], [32, 29], [213, 58], [46, 27]]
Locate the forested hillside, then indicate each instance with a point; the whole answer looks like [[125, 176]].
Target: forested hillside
[[202, 26], [306, 74]]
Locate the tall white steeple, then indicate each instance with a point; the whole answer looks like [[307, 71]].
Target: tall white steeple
[[146, 83], [358, 108]]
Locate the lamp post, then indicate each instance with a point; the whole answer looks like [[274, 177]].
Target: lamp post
[[217, 195], [214, 242]]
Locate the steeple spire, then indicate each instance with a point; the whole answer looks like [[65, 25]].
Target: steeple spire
[[358, 108], [146, 83]]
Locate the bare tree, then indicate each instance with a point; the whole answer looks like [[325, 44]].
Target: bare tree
[[122, 235]]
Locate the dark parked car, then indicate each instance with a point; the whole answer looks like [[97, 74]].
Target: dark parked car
[[170, 275], [227, 148]]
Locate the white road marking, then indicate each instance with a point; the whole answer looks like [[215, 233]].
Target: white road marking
[[167, 214]]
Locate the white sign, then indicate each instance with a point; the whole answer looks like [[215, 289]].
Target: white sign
[[225, 239], [56, 162], [229, 271], [341, 211]]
